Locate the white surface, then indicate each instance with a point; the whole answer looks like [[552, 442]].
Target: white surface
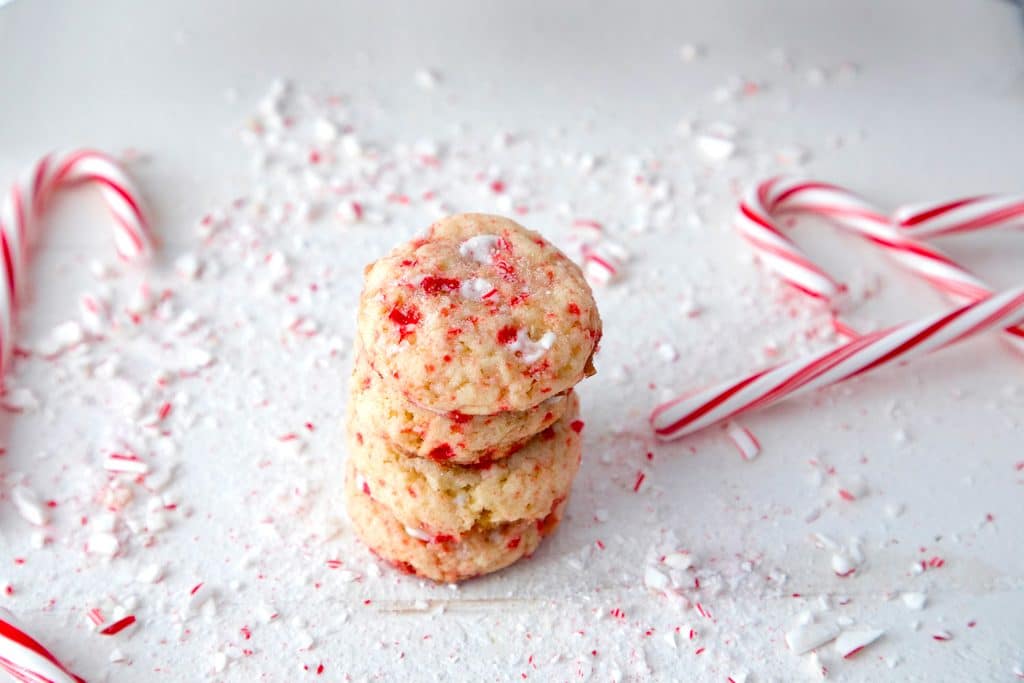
[[934, 112]]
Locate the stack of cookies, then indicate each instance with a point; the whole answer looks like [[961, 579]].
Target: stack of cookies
[[464, 430]]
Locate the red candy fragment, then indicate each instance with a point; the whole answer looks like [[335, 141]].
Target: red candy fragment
[[441, 453], [405, 319], [436, 285], [507, 334], [577, 426]]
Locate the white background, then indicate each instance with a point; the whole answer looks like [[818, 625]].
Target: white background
[[937, 110]]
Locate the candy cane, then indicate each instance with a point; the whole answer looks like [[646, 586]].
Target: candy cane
[[962, 215], [22, 206], [756, 223], [693, 412], [22, 656], [25, 659], [780, 196]]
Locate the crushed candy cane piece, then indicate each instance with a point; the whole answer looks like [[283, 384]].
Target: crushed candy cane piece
[[480, 248], [744, 440], [807, 637], [849, 643]]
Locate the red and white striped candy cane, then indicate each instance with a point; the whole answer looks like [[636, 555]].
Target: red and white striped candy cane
[[25, 202], [756, 221], [693, 412], [773, 198], [961, 215], [25, 659]]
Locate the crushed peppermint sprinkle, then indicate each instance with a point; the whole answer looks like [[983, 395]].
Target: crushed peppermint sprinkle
[[28, 505], [251, 299], [477, 289], [914, 601], [849, 643], [807, 637], [418, 534], [744, 440], [480, 248], [528, 350]]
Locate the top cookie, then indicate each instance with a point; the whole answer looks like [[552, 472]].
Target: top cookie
[[478, 316]]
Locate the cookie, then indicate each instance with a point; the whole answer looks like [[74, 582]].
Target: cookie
[[376, 413], [449, 500], [479, 316], [481, 550]]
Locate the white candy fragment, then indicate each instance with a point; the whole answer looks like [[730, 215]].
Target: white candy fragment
[[266, 613], [95, 313], [654, 579], [219, 662], [476, 289], [427, 79], [28, 505], [188, 266], [679, 560], [531, 351], [192, 359], [807, 637], [480, 248], [325, 130], [20, 399], [667, 351], [715, 148], [151, 573], [63, 337], [603, 261], [304, 640], [842, 565], [103, 543], [418, 534], [744, 440], [350, 211], [125, 462], [915, 601], [850, 643], [689, 52], [199, 596]]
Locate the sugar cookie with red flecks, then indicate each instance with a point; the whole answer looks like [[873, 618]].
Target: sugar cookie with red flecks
[[481, 550], [479, 316], [452, 438], [449, 500]]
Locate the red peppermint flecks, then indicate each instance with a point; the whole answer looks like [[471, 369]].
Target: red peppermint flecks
[[435, 285], [507, 334], [576, 425], [405, 319], [441, 453], [118, 626]]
